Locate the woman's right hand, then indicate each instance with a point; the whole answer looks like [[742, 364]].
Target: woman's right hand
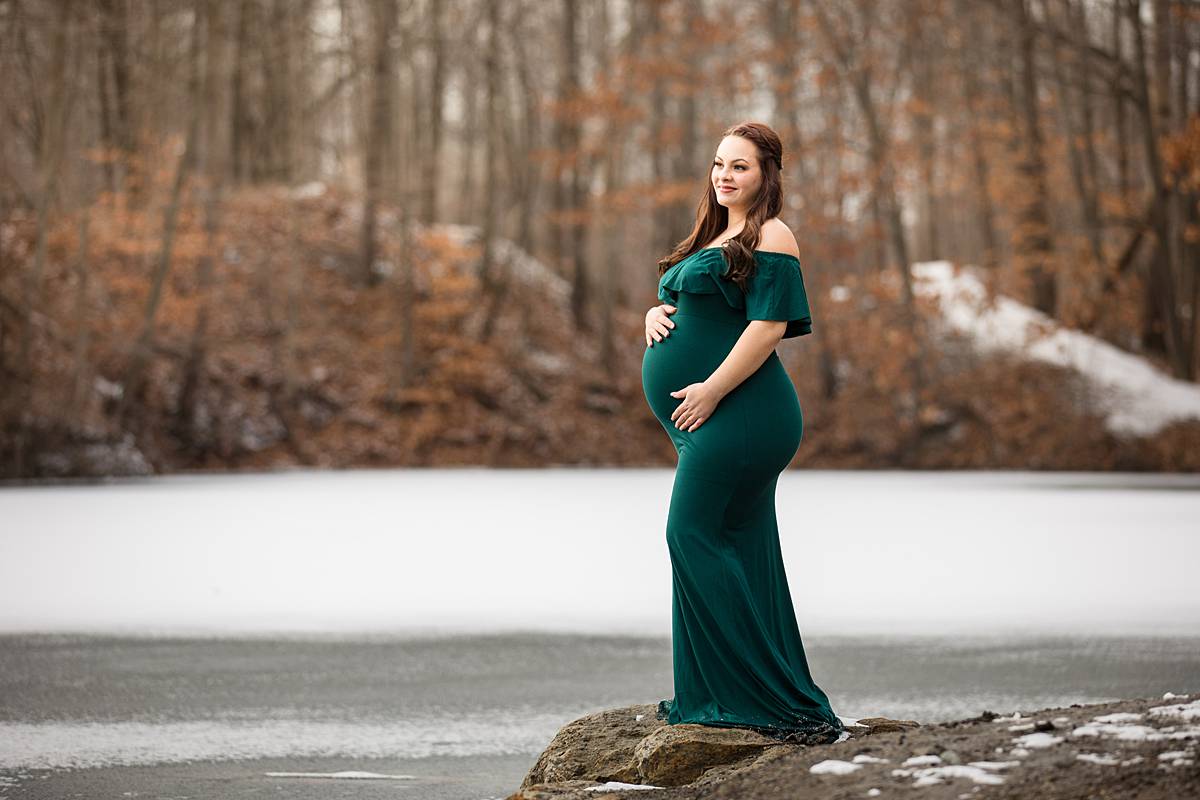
[[657, 323]]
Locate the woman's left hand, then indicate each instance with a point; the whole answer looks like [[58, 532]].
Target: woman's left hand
[[699, 402]]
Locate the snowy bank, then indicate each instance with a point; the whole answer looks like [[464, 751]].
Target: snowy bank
[[1138, 398]]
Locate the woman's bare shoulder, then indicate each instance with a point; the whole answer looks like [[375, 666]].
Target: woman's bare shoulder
[[778, 237]]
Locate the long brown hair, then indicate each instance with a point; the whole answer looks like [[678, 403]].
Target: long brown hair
[[712, 218]]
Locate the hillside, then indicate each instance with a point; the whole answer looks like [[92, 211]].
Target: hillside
[[300, 363]]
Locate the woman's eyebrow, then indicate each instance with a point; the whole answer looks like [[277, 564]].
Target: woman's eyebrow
[[739, 158]]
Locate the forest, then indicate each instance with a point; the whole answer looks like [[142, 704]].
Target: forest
[[262, 234]]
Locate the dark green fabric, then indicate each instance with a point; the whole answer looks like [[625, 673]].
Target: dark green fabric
[[738, 659], [775, 291]]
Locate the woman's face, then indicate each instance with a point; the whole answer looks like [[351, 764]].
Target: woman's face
[[736, 166]]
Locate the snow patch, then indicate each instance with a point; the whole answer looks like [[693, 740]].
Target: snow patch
[[928, 776], [1185, 711], [864, 758], [1120, 726], [619, 785], [916, 761], [1098, 758], [309, 190], [833, 766], [1138, 398], [1037, 740], [994, 764]]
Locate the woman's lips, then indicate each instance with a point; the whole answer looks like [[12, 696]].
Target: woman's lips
[[725, 188]]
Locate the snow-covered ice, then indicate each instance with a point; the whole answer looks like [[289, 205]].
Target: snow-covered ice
[[242, 553]]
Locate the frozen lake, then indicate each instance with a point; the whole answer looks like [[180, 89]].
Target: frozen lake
[[585, 551], [203, 636]]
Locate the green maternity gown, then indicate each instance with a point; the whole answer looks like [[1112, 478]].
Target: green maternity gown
[[738, 660]]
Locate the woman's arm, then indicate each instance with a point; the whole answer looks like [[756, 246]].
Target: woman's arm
[[748, 354], [752, 348]]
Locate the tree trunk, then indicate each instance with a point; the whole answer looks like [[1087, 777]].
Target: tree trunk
[[437, 90], [1161, 321], [144, 345], [493, 279], [1034, 241], [191, 411], [52, 144], [1085, 191], [985, 213], [378, 135], [575, 232], [860, 78], [114, 28]]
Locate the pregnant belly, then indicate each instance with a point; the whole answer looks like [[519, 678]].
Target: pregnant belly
[[695, 348], [756, 427]]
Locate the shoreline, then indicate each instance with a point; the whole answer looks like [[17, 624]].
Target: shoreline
[[1145, 747]]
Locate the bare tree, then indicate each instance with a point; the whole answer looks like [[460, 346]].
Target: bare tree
[[142, 351], [857, 72], [492, 278], [378, 134]]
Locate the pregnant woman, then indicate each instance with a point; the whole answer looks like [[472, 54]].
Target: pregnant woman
[[733, 289]]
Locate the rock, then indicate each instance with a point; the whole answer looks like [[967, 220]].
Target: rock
[[564, 790], [885, 725], [701, 762], [598, 747], [630, 745], [676, 755]]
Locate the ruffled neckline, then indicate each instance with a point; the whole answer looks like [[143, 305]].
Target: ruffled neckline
[[776, 288], [756, 252], [710, 275]]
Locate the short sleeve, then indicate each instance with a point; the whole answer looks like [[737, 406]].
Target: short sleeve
[[776, 292]]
